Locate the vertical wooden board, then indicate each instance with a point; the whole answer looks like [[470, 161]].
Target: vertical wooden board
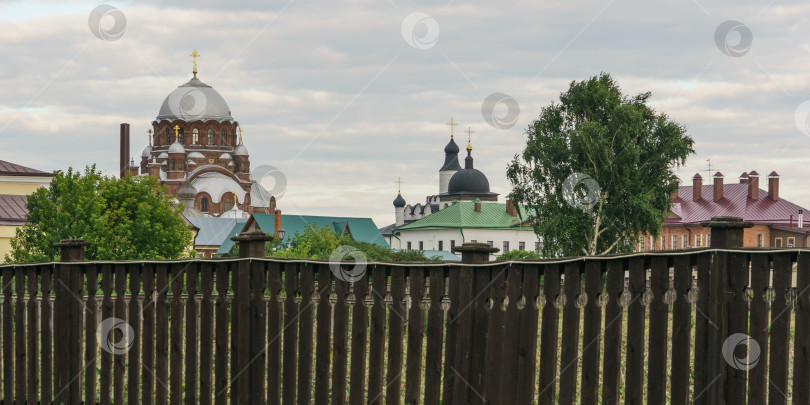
[[510, 338], [161, 334], [527, 346], [715, 364], [396, 320], [494, 374], [569, 353], [702, 324], [274, 333], [340, 348], [780, 329], [206, 332], [323, 349], [119, 359], [357, 374], [737, 316], [89, 337], [222, 326], [240, 315], [450, 332], [290, 355], [8, 335], [134, 322], [376, 352], [463, 330], [46, 336], [305, 332], [613, 332], [760, 325], [258, 330], [105, 377], [19, 335], [435, 337], [634, 372], [801, 345], [31, 334], [549, 335], [416, 332], [659, 314], [176, 335], [681, 332], [191, 371], [75, 342], [148, 333], [474, 387], [591, 333]]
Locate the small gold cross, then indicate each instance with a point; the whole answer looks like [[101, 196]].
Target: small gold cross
[[194, 56], [451, 124], [399, 185]]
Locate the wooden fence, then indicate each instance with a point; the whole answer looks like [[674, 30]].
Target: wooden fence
[[645, 328]]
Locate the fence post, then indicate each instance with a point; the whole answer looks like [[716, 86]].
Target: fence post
[[67, 323], [475, 253], [247, 314], [726, 233]]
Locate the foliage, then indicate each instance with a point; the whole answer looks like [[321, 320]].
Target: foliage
[[122, 219], [320, 243], [519, 255], [598, 169]]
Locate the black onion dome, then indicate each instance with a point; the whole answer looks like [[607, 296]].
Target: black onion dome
[[468, 180], [399, 202], [451, 147], [451, 157]]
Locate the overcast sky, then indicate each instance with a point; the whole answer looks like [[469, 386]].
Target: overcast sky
[[346, 96]]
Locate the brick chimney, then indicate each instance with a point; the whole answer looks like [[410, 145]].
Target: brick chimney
[[773, 186], [510, 208], [477, 205], [744, 178], [697, 187], [276, 223], [718, 186], [753, 185]]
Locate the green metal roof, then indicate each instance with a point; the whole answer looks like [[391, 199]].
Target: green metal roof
[[463, 215]]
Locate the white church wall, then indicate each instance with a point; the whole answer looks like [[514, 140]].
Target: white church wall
[[430, 239]]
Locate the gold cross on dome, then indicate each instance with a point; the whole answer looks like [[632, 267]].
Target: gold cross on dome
[[150, 136], [194, 55], [176, 133], [235, 198], [469, 132], [399, 185], [240, 134], [451, 124]]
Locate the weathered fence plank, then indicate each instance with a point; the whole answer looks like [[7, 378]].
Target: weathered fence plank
[[592, 333], [780, 329], [549, 335], [634, 373], [657, 368]]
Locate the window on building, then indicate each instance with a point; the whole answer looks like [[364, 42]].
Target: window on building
[[171, 167], [409, 245], [698, 239], [505, 246], [168, 137], [236, 167], [652, 242], [674, 242], [536, 247], [641, 246], [204, 204], [210, 136], [441, 245], [791, 242], [473, 241], [452, 244], [490, 243], [685, 243], [777, 242], [180, 136], [224, 138], [708, 239], [195, 136], [522, 245], [421, 245], [663, 242], [228, 203], [760, 240]]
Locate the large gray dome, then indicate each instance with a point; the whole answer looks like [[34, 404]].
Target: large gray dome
[[468, 181], [194, 101]]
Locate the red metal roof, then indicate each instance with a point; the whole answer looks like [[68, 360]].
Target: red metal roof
[[12, 209], [13, 169], [735, 203]]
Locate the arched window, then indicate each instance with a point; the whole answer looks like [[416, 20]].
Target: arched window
[[236, 168], [224, 140], [195, 136], [168, 137], [180, 137], [172, 166], [204, 204], [234, 136], [228, 203], [210, 136]]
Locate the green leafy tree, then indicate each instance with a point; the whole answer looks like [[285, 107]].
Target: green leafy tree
[[518, 255], [123, 219], [598, 169]]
